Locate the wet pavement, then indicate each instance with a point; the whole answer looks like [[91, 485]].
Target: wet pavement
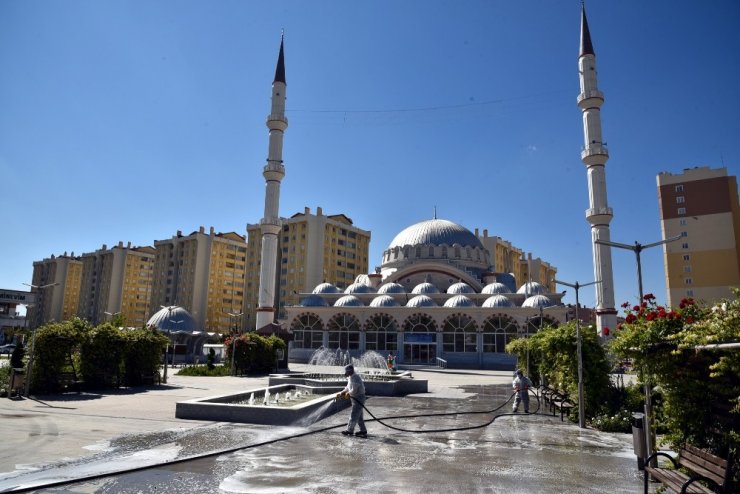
[[48, 440]]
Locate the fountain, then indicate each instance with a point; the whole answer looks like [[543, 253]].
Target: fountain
[[303, 398], [266, 406], [326, 368]]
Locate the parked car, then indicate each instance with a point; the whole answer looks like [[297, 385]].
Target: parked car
[[7, 348]]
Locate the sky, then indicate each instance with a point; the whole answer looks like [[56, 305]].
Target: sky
[[131, 120]]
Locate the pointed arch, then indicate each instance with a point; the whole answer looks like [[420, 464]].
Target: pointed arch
[[381, 333], [498, 330]]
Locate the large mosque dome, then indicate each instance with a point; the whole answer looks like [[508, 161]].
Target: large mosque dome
[[436, 232], [173, 318]]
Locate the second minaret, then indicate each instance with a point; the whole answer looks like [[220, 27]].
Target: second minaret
[[273, 172], [594, 156]]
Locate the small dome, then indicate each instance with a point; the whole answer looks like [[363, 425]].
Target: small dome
[[537, 301], [348, 301], [459, 288], [391, 288], [173, 318], [425, 287], [497, 300], [326, 288], [459, 301], [421, 301], [314, 301], [384, 301], [494, 288], [532, 288], [359, 288]]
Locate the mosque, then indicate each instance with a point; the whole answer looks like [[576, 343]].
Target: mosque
[[435, 298], [433, 301]]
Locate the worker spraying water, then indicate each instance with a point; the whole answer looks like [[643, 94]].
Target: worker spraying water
[[521, 385], [355, 390]]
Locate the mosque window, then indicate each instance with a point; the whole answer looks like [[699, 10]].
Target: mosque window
[[418, 252], [459, 334], [431, 251], [344, 332], [381, 334], [444, 252], [497, 332], [420, 323], [308, 331], [457, 252]]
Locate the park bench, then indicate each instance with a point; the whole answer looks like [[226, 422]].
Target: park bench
[[69, 382], [701, 465], [557, 400]]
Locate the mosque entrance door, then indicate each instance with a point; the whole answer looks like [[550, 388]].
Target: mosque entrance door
[[419, 348]]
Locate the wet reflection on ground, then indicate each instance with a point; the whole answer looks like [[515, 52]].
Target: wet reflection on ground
[[521, 454]]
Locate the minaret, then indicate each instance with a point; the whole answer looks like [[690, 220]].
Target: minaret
[[594, 156], [273, 172]]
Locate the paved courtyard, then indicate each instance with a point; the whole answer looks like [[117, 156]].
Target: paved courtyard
[[49, 439]]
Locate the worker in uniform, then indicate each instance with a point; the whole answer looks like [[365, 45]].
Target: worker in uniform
[[521, 387], [355, 390]]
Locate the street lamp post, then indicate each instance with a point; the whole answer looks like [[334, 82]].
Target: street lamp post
[[174, 345], [233, 340], [579, 353], [111, 315], [33, 337], [169, 315], [637, 248]]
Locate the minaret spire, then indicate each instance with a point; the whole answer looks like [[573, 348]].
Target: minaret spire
[[595, 155], [274, 171]]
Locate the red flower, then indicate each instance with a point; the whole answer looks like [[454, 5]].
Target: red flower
[[651, 316], [630, 318], [689, 320], [648, 296], [636, 308], [605, 331], [619, 326], [625, 305]]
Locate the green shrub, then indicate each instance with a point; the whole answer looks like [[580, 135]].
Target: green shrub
[[54, 346], [143, 354], [101, 356], [204, 370], [254, 353]]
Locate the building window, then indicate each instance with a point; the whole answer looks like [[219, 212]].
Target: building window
[[497, 332], [687, 269], [459, 334], [681, 210], [685, 245], [686, 257], [680, 200], [682, 222], [688, 281], [381, 334], [344, 332], [684, 234], [690, 293], [307, 332], [679, 188]]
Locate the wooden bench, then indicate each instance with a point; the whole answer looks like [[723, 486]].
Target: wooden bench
[[69, 381], [557, 400], [702, 466]]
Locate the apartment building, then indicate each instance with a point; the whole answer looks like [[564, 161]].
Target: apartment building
[[117, 281], [203, 273], [56, 284], [314, 248], [701, 206], [509, 259]]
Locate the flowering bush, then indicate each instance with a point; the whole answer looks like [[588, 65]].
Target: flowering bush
[[700, 387]]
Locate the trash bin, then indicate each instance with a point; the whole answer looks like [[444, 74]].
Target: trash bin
[[17, 381], [639, 445]]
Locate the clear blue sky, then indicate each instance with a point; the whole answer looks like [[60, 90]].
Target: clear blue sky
[[130, 120]]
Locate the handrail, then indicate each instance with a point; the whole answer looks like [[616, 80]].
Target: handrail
[[441, 363]]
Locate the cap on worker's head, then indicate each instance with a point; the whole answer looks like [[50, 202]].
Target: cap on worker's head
[[349, 370], [519, 372]]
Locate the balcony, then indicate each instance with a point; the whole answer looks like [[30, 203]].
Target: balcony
[[595, 154], [590, 99]]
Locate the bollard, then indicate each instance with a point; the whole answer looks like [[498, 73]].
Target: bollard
[[638, 439]]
